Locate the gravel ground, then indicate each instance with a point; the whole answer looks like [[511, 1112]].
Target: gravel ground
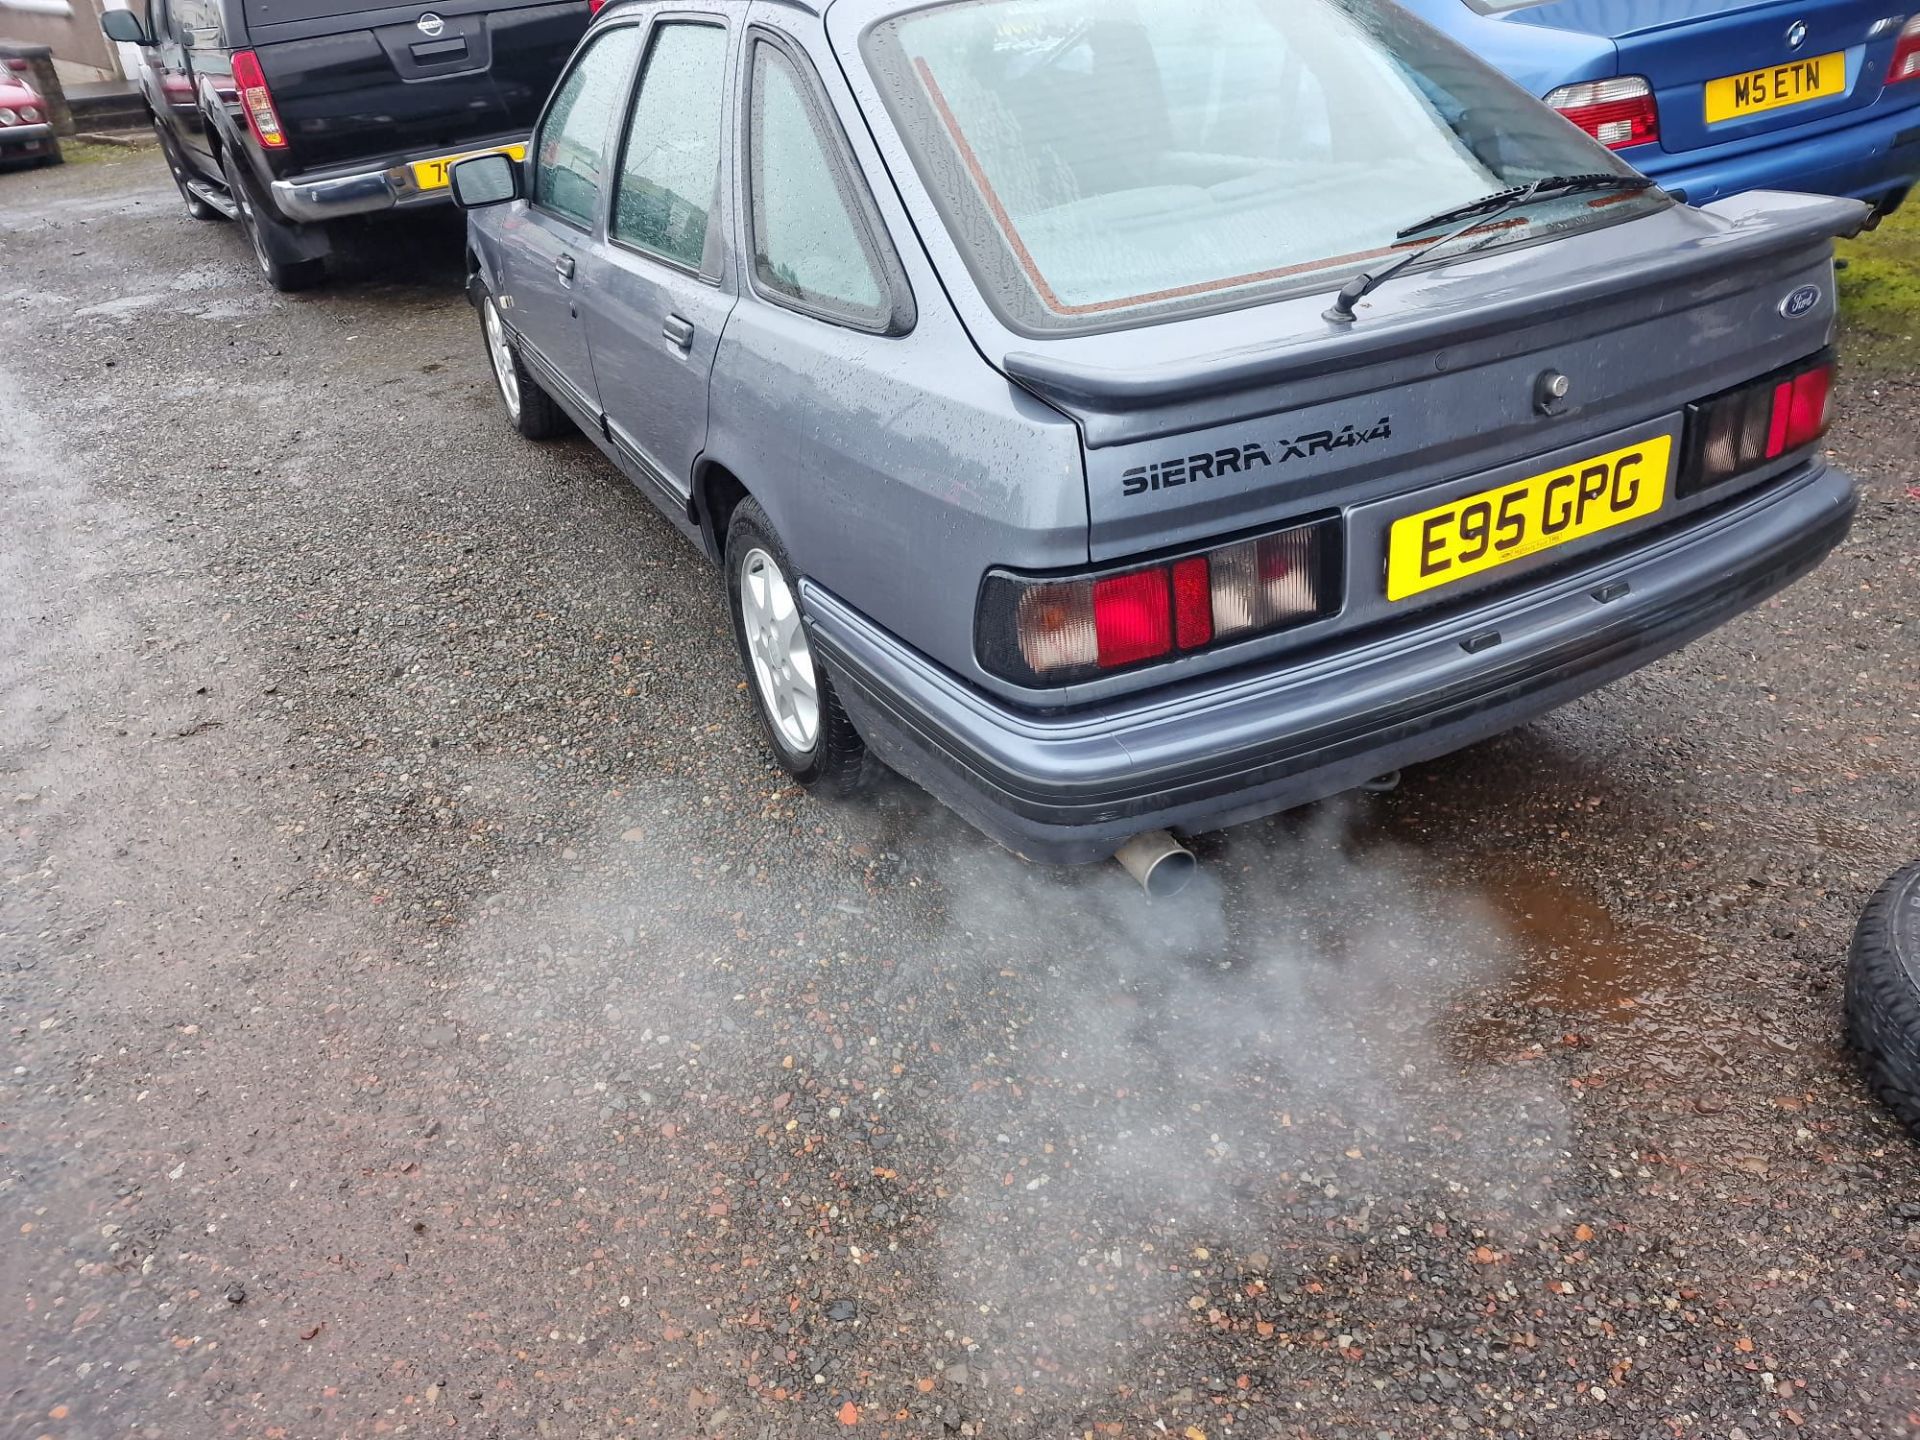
[[429, 1012]]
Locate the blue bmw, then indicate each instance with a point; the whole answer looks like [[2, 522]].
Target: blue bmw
[[1713, 97]]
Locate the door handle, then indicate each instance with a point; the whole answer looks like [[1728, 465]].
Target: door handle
[[564, 267], [679, 332]]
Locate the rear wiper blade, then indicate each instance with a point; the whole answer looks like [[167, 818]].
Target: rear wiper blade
[[1471, 216], [1552, 186]]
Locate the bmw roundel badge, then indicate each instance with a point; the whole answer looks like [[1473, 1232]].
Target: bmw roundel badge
[[1800, 302]]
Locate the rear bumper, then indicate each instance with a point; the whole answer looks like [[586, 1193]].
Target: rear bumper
[[385, 184], [1873, 160], [1070, 788]]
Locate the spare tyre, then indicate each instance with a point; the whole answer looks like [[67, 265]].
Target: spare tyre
[[1883, 995]]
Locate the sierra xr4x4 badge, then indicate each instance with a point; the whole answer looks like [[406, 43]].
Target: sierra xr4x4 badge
[[1243, 459]]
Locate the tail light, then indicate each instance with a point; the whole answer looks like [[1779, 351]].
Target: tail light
[[1044, 631], [1618, 113], [257, 100], [1906, 55], [1740, 430]]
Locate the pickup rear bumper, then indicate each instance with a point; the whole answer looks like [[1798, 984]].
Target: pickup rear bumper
[[1071, 787], [366, 189]]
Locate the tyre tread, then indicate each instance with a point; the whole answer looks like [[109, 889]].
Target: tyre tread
[[1883, 1001]]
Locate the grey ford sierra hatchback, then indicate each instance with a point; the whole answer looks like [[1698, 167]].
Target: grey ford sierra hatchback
[[1118, 415]]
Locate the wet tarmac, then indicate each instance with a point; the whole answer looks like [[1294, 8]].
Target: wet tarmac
[[430, 1013]]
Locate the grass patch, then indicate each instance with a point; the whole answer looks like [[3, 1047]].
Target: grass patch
[[1880, 294]]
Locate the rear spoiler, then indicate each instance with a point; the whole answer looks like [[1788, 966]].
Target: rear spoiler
[[1762, 229]]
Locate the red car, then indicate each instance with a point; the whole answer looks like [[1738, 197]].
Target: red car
[[25, 133]]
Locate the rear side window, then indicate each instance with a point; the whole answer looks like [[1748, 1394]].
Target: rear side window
[[198, 24], [812, 244], [670, 166], [1099, 164], [570, 154]]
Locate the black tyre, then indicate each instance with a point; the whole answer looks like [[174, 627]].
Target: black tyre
[[1883, 995], [812, 737], [530, 409], [197, 208], [284, 252]]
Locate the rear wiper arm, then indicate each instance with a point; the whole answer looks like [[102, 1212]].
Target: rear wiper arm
[[1474, 214]]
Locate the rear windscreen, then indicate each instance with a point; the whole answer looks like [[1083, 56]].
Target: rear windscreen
[[366, 13], [279, 12], [1103, 160]]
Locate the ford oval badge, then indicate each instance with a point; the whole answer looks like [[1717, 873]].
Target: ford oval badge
[[1800, 302]]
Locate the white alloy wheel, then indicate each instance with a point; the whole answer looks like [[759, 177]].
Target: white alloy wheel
[[501, 353], [777, 643]]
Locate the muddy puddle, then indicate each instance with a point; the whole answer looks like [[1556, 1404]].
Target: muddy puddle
[[1638, 1000]]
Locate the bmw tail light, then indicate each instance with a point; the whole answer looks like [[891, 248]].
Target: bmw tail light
[[257, 101], [1618, 113], [1052, 631], [1906, 55], [1742, 429]]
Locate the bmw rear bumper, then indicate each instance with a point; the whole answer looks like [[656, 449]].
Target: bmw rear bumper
[[1876, 160], [1070, 788]]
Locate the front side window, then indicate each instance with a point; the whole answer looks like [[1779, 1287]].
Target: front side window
[[570, 154], [810, 243], [670, 166], [1105, 161]]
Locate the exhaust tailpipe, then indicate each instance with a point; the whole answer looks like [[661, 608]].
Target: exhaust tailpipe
[[1163, 866]]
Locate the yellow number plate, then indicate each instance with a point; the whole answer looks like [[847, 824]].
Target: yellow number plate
[[1480, 532], [432, 174], [1734, 97]]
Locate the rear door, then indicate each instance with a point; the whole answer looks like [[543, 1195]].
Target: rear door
[[354, 79], [545, 240], [661, 293]]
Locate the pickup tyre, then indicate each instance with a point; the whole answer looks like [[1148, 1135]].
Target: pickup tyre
[[284, 253], [198, 208]]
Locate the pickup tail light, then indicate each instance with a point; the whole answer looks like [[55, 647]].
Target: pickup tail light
[[1051, 631], [1742, 429], [1619, 113], [257, 100], [1906, 54]]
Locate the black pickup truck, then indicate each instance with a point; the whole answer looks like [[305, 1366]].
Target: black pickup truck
[[288, 114]]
